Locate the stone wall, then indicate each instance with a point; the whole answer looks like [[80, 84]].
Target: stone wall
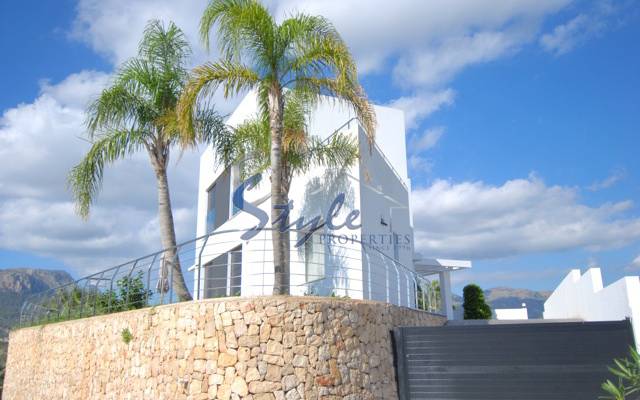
[[254, 348]]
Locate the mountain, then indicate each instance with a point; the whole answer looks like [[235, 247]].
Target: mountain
[[505, 297], [15, 286]]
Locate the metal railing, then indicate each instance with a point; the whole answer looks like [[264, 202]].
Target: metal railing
[[222, 265]]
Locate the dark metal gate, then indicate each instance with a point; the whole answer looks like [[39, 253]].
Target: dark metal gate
[[541, 361]]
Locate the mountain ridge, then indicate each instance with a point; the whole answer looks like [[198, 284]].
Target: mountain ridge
[[15, 285], [18, 283]]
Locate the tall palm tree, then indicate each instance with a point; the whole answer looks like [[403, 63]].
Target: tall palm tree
[[138, 112], [248, 146], [303, 53]]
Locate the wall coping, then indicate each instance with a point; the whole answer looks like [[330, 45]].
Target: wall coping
[[285, 298]]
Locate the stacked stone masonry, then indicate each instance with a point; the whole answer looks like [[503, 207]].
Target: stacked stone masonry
[[265, 348]]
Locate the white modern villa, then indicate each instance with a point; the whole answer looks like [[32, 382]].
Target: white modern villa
[[372, 258]]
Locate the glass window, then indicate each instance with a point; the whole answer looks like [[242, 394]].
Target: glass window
[[218, 201], [216, 277], [235, 271], [223, 275], [236, 181], [314, 258], [211, 209]]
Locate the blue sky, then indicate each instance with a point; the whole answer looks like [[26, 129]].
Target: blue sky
[[523, 123]]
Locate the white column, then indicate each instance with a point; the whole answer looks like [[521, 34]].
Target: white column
[[445, 293]]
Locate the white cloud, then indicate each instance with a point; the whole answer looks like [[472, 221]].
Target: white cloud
[[579, 29], [419, 164], [39, 143], [492, 278], [114, 27], [76, 89], [566, 36], [424, 43], [377, 31], [592, 262], [440, 63], [477, 220], [615, 177], [634, 266], [420, 106], [428, 139]]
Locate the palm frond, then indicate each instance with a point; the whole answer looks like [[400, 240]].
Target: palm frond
[[245, 27], [209, 126], [165, 47], [85, 179], [339, 150], [248, 145], [296, 111], [298, 28], [347, 91], [316, 48], [118, 107], [205, 79], [319, 62]]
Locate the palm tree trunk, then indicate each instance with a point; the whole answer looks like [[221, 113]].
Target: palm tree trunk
[[167, 229], [286, 235], [278, 195]]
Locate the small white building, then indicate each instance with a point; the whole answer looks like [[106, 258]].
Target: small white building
[[373, 261], [584, 297], [512, 314]]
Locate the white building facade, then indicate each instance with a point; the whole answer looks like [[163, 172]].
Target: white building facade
[[372, 259]]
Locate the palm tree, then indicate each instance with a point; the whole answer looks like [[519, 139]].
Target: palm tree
[[303, 53], [138, 112]]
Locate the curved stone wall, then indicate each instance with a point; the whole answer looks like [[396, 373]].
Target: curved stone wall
[[244, 348]]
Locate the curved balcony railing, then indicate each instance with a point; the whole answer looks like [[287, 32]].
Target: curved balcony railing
[[337, 267]]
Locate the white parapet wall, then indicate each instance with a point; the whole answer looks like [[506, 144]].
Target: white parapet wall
[[584, 297]]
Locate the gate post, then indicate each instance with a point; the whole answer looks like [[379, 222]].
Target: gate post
[[402, 375]]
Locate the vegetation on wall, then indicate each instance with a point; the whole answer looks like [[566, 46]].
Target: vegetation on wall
[[475, 306], [429, 298], [129, 294], [126, 336], [627, 372]]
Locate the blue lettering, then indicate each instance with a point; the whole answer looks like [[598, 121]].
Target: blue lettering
[[281, 222], [238, 201]]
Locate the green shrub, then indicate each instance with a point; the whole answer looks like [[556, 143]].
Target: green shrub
[[475, 307], [132, 294], [129, 294], [126, 336]]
